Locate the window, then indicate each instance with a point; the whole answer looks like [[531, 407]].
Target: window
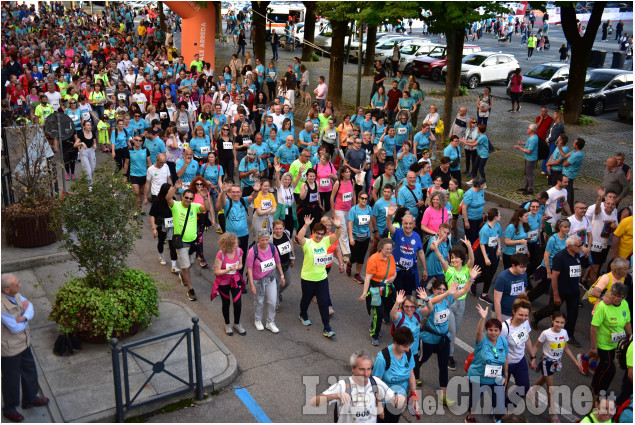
[[490, 61]]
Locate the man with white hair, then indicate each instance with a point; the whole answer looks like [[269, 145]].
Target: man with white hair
[[18, 365], [530, 152]]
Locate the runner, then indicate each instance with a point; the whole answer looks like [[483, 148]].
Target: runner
[[358, 227], [229, 284], [342, 200], [282, 240], [309, 201], [488, 253]]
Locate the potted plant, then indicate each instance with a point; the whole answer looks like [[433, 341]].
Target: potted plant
[[111, 300], [27, 222]]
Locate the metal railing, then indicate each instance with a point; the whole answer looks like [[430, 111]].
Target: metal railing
[[191, 336]]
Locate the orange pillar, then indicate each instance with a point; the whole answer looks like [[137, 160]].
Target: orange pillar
[[198, 29]]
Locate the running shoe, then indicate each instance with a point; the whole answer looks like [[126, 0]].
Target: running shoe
[[258, 325], [374, 341], [451, 363], [328, 333], [358, 279], [469, 420], [486, 298], [204, 265], [470, 182], [447, 401], [191, 295], [229, 330], [176, 270], [162, 261], [218, 229], [584, 363], [272, 327], [305, 322], [238, 327]]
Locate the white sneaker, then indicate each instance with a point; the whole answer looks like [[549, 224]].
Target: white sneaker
[[258, 325], [484, 185], [272, 327], [162, 261], [239, 328], [175, 269], [469, 183], [229, 330]]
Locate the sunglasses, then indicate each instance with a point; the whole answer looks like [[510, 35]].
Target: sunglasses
[[188, 199], [364, 198]]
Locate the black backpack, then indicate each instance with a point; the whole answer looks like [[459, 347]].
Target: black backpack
[[386, 355], [347, 390], [543, 149], [222, 218], [620, 351]]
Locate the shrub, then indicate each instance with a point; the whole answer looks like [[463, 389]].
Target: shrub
[[585, 120], [463, 91]]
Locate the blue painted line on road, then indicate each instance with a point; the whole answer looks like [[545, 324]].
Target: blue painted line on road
[[252, 406]]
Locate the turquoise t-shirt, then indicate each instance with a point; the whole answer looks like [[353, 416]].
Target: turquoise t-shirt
[[404, 166], [397, 376], [411, 323], [402, 132], [212, 173], [379, 211], [190, 172], [422, 141], [487, 233], [287, 155], [379, 131], [261, 149], [236, 222], [532, 145], [475, 203], [556, 156], [361, 222], [271, 74], [438, 321], [379, 103], [554, 246], [435, 268], [406, 198], [486, 355], [406, 104], [575, 162], [482, 148], [453, 153], [197, 143], [367, 126], [389, 145], [138, 166], [246, 165], [534, 224], [514, 234]]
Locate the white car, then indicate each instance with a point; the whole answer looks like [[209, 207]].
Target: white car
[[383, 51], [486, 67], [411, 51]]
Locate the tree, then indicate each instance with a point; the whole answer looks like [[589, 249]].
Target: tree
[[580, 53], [161, 17], [451, 19], [260, 28], [309, 31], [219, 17]]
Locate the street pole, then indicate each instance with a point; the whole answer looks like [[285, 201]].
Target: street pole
[[91, 8], [359, 64]]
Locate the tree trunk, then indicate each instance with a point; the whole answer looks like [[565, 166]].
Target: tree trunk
[[371, 40], [336, 66], [309, 31], [453, 76], [219, 18], [260, 28], [580, 53], [161, 17]]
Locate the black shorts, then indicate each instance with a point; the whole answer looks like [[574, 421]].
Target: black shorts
[[515, 97], [141, 181], [599, 258]]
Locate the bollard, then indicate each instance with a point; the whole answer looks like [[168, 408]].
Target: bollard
[[116, 371], [197, 359]]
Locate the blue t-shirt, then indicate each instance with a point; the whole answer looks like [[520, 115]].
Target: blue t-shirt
[[263, 149], [511, 286], [190, 172], [305, 137], [575, 162], [453, 153], [411, 323], [397, 376], [283, 134], [406, 104], [486, 233], [271, 74], [379, 211], [197, 143], [534, 224], [482, 148], [435, 268], [120, 138], [486, 354], [287, 155], [236, 222], [260, 69], [402, 132], [212, 173], [438, 320], [425, 181], [138, 166], [406, 249], [422, 141], [265, 130], [406, 198], [75, 116], [532, 145], [155, 147], [475, 202], [367, 126], [554, 246], [389, 145], [138, 126], [379, 131], [361, 222], [379, 103], [556, 156], [515, 234], [404, 166], [401, 83], [245, 166], [207, 126]]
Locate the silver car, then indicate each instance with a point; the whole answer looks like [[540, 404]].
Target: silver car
[[542, 82]]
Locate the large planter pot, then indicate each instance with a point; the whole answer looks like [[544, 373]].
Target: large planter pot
[[28, 228], [88, 336]]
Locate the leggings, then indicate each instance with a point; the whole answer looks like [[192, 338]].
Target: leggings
[[200, 228], [227, 293], [605, 371], [479, 167], [530, 52], [443, 354], [172, 168], [377, 313], [271, 87], [457, 309], [320, 290], [542, 284], [243, 243], [120, 156], [497, 392], [228, 165], [70, 157], [470, 157], [472, 233], [488, 271], [161, 240], [520, 372], [325, 201]]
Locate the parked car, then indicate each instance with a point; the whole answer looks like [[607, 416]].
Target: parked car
[[384, 49], [380, 39], [604, 89], [432, 64], [412, 50], [542, 82], [486, 67]]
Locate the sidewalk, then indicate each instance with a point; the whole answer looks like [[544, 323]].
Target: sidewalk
[[80, 387]]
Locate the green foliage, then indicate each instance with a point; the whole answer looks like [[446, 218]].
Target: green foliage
[[586, 120], [434, 92], [315, 57], [100, 227], [130, 299], [446, 142], [445, 16], [463, 91]]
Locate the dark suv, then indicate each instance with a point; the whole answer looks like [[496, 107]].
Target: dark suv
[[604, 89]]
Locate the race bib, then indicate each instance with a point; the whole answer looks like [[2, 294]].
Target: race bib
[[521, 249], [163, 115], [492, 242], [575, 271], [331, 136], [557, 348], [168, 223], [405, 263], [284, 248], [519, 336], [617, 336], [492, 371], [246, 142], [272, 75], [402, 130], [252, 177], [598, 246], [19, 102], [325, 182], [140, 102], [228, 145], [320, 260], [517, 289], [267, 266], [86, 116], [266, 204], [147, 87], [313, 197], [348, 196], [185, 185], [316, 128], [363, 220], [329, 259], [532, 235], [441, 316], [121, 96], [205, 150], [228, 265]]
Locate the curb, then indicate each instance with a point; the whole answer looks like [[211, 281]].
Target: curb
[[33, 262]]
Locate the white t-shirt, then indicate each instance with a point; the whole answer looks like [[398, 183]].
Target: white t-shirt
[[157, 176], [285, 196], [141, 100], [54, 99], [277, 120], [553, 344], [363, 405], [600, 226], [516, 338], [555, 204], [580, 228]]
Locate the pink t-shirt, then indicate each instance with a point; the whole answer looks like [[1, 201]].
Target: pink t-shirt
[[432, 218], [517, 83], [323, 174], [263, 262], [227, 278], [321, 91], [344, 198]]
